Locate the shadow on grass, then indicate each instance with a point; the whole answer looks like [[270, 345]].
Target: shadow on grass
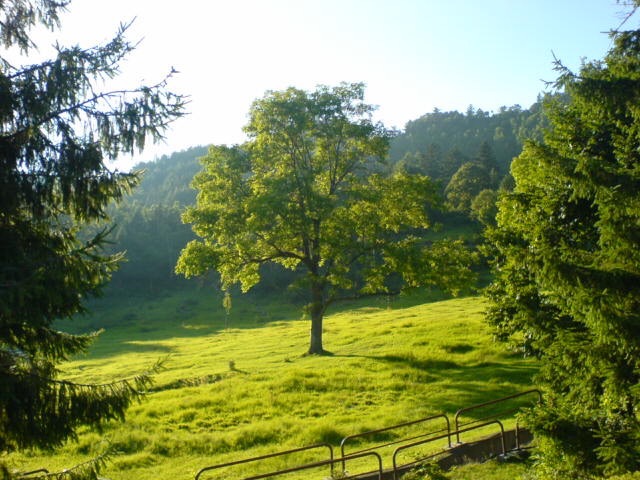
[[469, 384], [153, 353], [413, 362], [193, 313], [511, 371], [140, 347]]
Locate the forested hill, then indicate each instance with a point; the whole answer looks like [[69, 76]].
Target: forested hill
[[442, 141], [468, 154], [167, 180], [148, 225], [437, 144]]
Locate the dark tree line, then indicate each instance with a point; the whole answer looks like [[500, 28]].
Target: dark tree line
[[147, 225], [467, 153], [167, 180], [446, 137]]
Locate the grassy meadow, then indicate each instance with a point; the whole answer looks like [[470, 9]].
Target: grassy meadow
[[238, 386]]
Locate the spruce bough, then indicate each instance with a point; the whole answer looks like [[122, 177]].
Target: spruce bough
[[568, 267], [57, 133]]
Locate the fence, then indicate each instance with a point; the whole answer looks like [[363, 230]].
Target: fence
[[491, 416], [498, 408]]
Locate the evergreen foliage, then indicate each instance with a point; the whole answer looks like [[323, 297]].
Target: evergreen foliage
[[470, 179], [568, 267], [435, 135], [148, 228], [152, 237], [483, 207], [57, 133], [467, 153], [167, 180]]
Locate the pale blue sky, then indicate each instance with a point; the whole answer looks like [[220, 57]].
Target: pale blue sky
[[414, 55]]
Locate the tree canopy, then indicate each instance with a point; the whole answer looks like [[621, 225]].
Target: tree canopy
[[308, 191], [57, 133], [438, 133], [568, 267]]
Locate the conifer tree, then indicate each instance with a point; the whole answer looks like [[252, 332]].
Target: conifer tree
[[57, 134], [568, 268], [487, 159]]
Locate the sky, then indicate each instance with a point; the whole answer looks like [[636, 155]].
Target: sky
[[413, 55]]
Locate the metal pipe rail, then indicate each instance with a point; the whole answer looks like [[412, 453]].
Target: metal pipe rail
[[468, 426], [423, 442], [321, 463], [491, 402], [395, 427], [264, 457]]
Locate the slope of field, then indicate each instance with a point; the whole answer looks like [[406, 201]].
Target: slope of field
[[245, 390]]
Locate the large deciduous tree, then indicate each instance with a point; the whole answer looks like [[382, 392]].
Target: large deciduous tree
[[306, 191], [568, 269], [57, 133]]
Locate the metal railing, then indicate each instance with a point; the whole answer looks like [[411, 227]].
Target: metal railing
[[502, 413], [264, 457], [396, 467], [321, 463], [460, 427], [398, 426]]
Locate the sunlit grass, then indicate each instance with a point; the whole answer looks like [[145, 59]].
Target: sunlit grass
[[246, 390]]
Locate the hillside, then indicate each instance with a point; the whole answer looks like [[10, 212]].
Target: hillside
[[438, 144], [236, 392]]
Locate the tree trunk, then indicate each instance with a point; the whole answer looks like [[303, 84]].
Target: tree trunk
[[315, 344], [316, 309]]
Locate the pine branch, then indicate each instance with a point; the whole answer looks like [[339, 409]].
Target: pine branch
[[88, 470], [141, 381]]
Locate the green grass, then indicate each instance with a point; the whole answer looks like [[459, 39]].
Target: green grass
[[236, 392], [490, 470]]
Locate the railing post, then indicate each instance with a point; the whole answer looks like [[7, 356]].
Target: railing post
[[270, 455], [307, 466], [492, 402], [394, 427]]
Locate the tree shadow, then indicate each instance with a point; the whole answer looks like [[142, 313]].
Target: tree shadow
[[107, 348], [468, 384], [420, 364]]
